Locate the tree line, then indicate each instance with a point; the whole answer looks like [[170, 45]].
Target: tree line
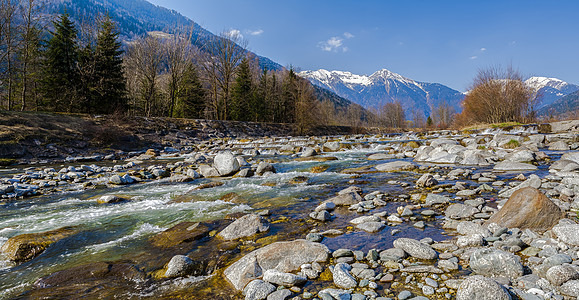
[[85, 68]]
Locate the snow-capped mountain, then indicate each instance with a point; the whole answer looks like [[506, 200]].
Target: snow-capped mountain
[[551, 89], [385, 86]]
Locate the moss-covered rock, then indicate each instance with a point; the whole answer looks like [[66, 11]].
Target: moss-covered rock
[[25, 247], [184, 232]]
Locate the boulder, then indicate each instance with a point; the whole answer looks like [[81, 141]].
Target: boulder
[[309, 152], [434, 199], [514, 166], [208, 171], [226, 164], [110, 199], [27, 246], [258, 290], [426, 180], [460, 211], [528, 208], [281, 278], [346, 199], [245, 226], [567, 233], [559, 146], [415, 248], [371, 226], [558, 275], [532, 181], [282, 256], [90, 273], [264, 167], [342, 277], [496, 263], [395, 166], [180, 265], [481, 288]]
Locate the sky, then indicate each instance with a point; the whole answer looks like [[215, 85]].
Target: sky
[[431, 41]]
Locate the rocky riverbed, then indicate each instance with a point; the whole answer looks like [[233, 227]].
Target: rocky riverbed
[[442, 215]]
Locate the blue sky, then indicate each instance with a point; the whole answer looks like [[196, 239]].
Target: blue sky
[[431, 41]]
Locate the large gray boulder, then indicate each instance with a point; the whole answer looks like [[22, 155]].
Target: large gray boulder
[[281, 256], [226, 164], [264, 167], [434, 199], [481, 288], [514, 166], [415, 248], [533, 181], [245, 226], [208, 171], [558, 275], [346, 199], [395, 166], [493, 262]]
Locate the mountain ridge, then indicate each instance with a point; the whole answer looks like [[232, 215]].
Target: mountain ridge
[[384, 86]]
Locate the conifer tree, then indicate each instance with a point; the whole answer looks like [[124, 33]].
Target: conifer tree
[[242, 93], [191, 97], [110, 84], [258, 105], [60, 77]]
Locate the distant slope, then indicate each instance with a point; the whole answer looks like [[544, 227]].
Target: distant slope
[[562, 107], [136, 18], [550, 89], [385, 86]]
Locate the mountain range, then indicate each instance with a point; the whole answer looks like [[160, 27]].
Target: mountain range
[[385, 86]]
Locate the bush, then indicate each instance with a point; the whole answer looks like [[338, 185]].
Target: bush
[[512, 144]]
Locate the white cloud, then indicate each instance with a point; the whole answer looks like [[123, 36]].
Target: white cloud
[[473, 57], [483, 49], [234, 33], [255, 32], [332, 45], [348, 35]]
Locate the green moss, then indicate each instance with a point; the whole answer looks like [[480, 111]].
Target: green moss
[[512, 144]]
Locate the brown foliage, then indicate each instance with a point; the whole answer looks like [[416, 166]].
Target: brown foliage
[[498, 96]]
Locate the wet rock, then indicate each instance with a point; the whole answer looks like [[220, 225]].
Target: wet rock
[[185, 232], [434, 199], [258, 290], [264, 167], [281, 278], [558, 275], [381, 156], [365, 219], [371, 226], [346, 199], [226, 164], [209, 185], [415, 248], [426, 180], [245, 226], [528, 208], [494, 262], [395, 166], [514, 166], [481, 288], [282, 256], [331, 146], [309, 152], [460, 211], [180, 265], [27, 246], [91, 273], [110, 199], [392, 254], [322, 215], [342, 277]]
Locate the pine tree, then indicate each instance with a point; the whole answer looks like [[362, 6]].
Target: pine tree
[[60, 77], [428, 121], [242, 93], [286, 111], [110, 85], [258, 105], [191, 97]]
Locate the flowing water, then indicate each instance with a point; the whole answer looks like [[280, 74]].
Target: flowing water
[[111, 232]]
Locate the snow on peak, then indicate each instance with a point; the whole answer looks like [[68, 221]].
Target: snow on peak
[[538, 82], [326, 76]]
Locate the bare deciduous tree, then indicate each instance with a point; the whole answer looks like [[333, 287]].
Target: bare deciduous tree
[[392, 115], [443, 115], [498, 96]]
